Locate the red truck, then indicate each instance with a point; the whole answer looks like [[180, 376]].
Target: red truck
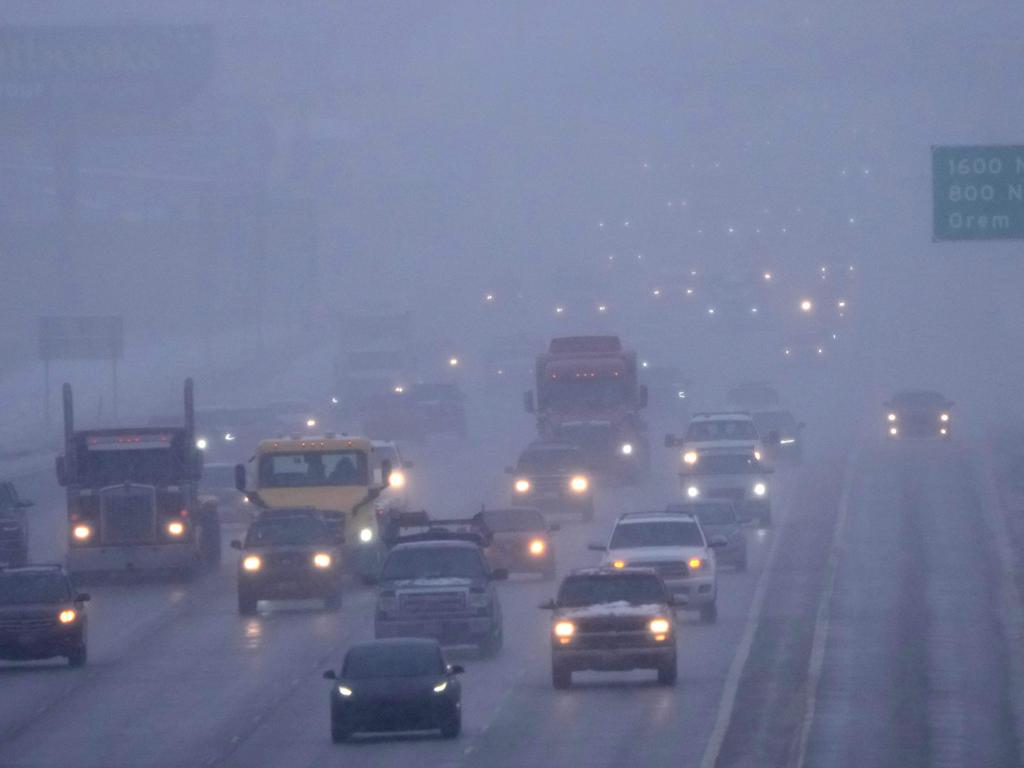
[[588, 394]]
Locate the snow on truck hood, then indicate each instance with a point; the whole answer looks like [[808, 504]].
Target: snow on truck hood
[[640, 555], [618, 608]]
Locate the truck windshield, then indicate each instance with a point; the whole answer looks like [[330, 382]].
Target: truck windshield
[[287, 531], [571, 393], [313, 469], [579, 591], [433, 563], [26, 588], [392, 660], [676, 533], [722, 430], [153, 466]]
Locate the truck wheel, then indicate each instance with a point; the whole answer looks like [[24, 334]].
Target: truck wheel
[[246, 604], [561, 676], [490, 647], [340, 732], [78, 657], [452, 726], [709, 612], [667, 673]]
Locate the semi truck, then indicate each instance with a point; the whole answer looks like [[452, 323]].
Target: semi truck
[[132, 498], [588, 394]]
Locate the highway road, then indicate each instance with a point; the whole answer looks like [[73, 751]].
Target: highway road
[[177, 678]]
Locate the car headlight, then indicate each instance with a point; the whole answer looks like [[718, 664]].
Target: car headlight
[[695, 563], [757, 455], [693, 491], [578, 484], [626, 449], [175, 528], [618, 563], [396, 479], [522, 485], [310, 423], [322, 560], [760, 489], [690, 457], [67, 616], [82, 532], [538, 547], [659, 626], [441, 687], [366, 535], [252, 563], [891, 417], [201, 443], [944, 417], [943, 431], [565, 629], [344, 690]]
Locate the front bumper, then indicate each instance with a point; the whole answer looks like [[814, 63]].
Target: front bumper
[[610, 660], [289, 585], [33, 645], [388, 715], [137, 557], [447, 630]]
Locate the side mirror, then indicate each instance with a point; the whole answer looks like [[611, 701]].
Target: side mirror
[[240, 477], [62, 471], [528, 403], [330, 674], [236, 544], [642, 396], [455, 669], [554, 527], [597, 547], [499, 574], [83, 597], [385, 473], [548, 605], [717, 542]]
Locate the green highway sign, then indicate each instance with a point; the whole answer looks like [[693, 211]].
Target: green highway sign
[[978, 193]]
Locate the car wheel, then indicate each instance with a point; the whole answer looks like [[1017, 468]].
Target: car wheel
[[561, 676], [340, 732], [668, 673], [246, 604], [78, 657], [332, 602], [452, 727], [492, 645], [709, 613]]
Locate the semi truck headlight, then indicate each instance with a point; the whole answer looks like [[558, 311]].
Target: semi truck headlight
[[578, 484], [690, 457], [67, 616], [893, 431], [565, 629], [693, 491], [627, 449], [82, 532], [537, 547], [659, 626], [944, 417], [201, 443], [522, 485], [252, 563], [396, 479], [322, 560], [891, 417], [175, 528], [310, 423], [760, 489], [366, 535]]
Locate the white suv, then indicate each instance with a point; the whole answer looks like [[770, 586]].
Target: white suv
[[672, 544], [717, 431]]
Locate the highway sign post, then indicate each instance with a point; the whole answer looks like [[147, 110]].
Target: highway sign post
[[80, 338], [978, 192]]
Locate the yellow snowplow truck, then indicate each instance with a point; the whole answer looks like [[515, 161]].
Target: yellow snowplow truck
[[331, 474]]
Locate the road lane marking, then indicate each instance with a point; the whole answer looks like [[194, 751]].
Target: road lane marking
[[739, 661], [822, 620]]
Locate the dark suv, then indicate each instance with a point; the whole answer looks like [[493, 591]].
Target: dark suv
[[918, 414], [553, 477], [41, 615], [443, 589], [13, 526], [612, 619], [288, 554]]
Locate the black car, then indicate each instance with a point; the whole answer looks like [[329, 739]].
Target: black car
[[395, 685], [13, 526], [918, 414], [553, 477], [41, 615], [288, 554]]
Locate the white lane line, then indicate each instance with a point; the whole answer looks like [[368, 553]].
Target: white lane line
[[821, 622], [732, 679]]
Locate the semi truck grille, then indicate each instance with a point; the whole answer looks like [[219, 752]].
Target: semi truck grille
[[432, 602], [612, 624], [128, 516]]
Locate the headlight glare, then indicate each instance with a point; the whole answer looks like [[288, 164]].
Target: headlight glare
[[522, 485], [441, 687], [252, 563], [344, 690], [690, 457], [693, 491], [366, 535], [67, 616], [695, 563], [579, 484], [175, 528], [537, 547], [627, 449], [760, 489], [659, 626], [82, 532], [322, 560], [565, 629]]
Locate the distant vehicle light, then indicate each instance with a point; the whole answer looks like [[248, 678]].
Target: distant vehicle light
[[453, 362], [579, 484], [82, 532], [760, 489], [944, 417], [399, 389], [201, 443], [441, 687], [396, 479], [943, 431], [522, 485], [626, 449], [334, 401], [659, 626], [322, 559], [252, 563], [67, 616], [768, 276], [344, 690], [891, 417], [893, 431], [757, 455], [311, 423], [693, 491], [681, 395], [565, 629], [175, 528], [229, 437], [538, 547], [806, 305], [690, 457], [787, 441]]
